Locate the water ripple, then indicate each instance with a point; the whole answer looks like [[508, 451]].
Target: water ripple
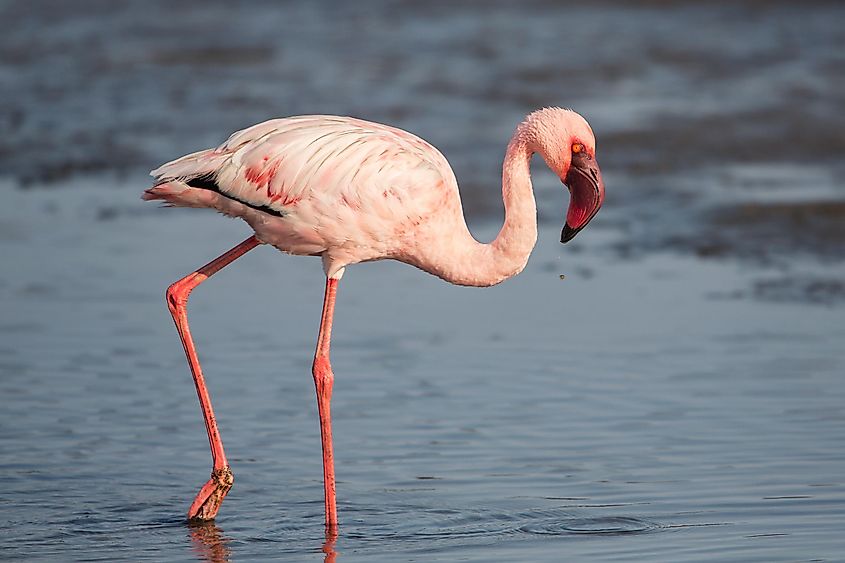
[[603, 525], [481, 525]]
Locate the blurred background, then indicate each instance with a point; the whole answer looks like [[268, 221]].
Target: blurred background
[[690, 363], [726, 120]]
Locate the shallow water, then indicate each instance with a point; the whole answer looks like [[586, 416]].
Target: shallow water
[[677, 397], [629, 411]]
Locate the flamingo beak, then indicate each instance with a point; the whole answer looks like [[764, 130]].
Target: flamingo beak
[[586, 194]]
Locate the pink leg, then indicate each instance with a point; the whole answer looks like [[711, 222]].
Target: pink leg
[[207, 502], [324, 380]]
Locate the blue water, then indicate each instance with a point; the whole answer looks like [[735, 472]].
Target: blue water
[[629, 411], [677, 396]]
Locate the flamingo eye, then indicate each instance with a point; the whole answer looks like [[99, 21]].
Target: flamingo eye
[[577, 147]]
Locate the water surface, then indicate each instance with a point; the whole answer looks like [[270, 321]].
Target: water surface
[[628, 411], [677, 397]]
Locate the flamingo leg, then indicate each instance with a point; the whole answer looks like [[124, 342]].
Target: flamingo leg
[[207, 502], [324, 381]]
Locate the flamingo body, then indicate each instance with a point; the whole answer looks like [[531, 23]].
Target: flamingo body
[[340, 187]]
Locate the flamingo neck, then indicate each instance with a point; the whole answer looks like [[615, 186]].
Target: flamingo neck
[[513, 245], [476, 264]]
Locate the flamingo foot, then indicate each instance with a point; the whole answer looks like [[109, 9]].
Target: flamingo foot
[[211, 496]]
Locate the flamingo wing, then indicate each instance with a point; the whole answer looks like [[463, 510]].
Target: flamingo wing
[[281, 165]]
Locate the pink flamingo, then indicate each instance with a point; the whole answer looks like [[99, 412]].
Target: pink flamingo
[[352, 191]]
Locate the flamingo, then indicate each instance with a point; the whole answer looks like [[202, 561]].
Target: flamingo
[[352, 191]]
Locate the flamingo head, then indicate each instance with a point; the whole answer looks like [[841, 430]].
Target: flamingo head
[[566, 142]]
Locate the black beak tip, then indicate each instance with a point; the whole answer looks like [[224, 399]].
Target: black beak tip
[[568, 233]]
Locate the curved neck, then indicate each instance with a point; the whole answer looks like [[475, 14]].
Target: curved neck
[[516, 239], [470, 262]]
